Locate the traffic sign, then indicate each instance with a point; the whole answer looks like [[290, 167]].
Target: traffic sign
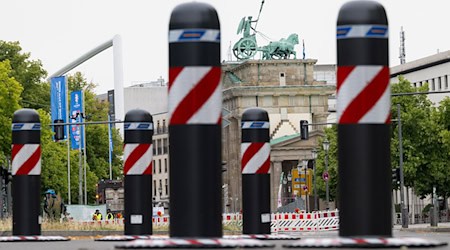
[[325, 176]]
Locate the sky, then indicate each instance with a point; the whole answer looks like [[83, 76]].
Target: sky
[[59, 31]]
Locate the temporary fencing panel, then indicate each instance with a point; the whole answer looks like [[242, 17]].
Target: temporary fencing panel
[[280, 222]]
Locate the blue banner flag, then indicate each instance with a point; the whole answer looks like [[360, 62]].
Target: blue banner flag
[[58, 100], [76, 112]]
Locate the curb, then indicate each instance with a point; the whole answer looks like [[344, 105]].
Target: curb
[[427, 229]]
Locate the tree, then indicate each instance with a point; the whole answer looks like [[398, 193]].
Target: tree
[[442, 118], [29, 73], [421, 145], [10, 91], [331, 135]]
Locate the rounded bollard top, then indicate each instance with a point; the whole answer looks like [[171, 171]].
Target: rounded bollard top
[[362, 12], [194, 15], [138, 115], [26, 116], [255, 114]]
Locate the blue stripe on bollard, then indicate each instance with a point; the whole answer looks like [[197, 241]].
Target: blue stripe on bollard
[[26, 126], [254, 125], [194, 35], [361, 31], [138, 126]]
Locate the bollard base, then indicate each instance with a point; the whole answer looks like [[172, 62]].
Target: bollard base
[[195, 243], [131, 237], [32, 238], [364, 242], [263, 237]]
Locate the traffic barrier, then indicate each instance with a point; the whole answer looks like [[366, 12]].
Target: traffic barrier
[[194, 107], [363, 115], [26, 172], [137, 168], [327, 221], [255, 161], [280, 222], [294, 222]]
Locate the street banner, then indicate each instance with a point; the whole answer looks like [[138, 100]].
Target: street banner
[[76, 111], [58, 100]]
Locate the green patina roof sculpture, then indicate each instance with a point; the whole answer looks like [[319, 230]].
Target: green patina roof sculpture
[[247, 47]]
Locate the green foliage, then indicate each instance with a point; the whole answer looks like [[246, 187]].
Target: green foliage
[[29, 73], [10, 91], [331, 135], [425, 161], [425, 139], [20, 83]]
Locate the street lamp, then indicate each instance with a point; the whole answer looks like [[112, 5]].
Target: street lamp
[[326, 146], [305, 188], [314, 156]]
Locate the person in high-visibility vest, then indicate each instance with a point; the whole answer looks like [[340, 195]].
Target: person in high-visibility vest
[[97, 215], [109, 215]]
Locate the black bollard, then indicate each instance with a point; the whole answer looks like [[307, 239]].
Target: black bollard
[[137, 169], [195, 104], [26, 171], [363, 108], [255, 160]]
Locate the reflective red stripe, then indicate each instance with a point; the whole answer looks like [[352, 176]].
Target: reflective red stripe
[[250, 152], [30, 163], [342, 74], [197, 97], [173, 74], [134, 156], [366, 99]]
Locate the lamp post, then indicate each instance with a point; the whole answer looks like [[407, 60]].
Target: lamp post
[[314, 156], [326, 146], [305, 188]]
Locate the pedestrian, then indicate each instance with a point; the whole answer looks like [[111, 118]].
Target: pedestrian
[[97, 215], [109, 215]]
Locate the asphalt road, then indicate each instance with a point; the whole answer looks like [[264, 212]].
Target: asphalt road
[[90, 244]]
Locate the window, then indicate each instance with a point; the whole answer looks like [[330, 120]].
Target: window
[[167, 186], [154, 147], [154, 167], [158, 128], [165, 148], [165, 165], [164, 128], [432, 85], [159, 146], [154, 187], [160, 188], [159, 161], [439, 83], [446, 81]]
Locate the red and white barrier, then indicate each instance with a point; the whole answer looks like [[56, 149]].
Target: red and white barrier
[[281, 222], [294, 222]]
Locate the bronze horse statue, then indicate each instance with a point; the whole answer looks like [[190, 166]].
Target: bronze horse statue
[[282, 49], [54, 207]]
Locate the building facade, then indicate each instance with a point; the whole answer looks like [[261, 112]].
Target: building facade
[[434, 70], [287, 90]]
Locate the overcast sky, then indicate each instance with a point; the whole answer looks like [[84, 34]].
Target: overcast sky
[[59, 31]]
